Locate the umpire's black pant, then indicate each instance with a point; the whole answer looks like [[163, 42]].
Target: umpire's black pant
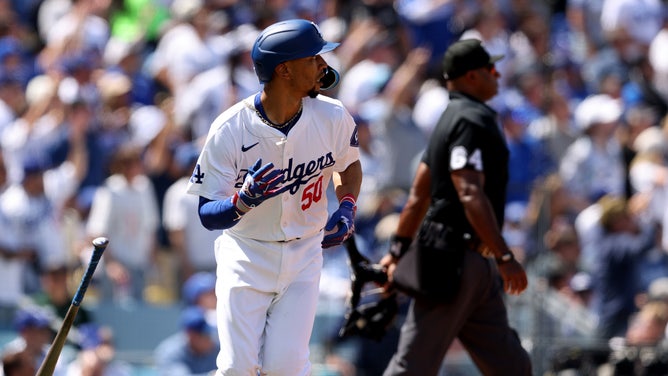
[[477, 317]]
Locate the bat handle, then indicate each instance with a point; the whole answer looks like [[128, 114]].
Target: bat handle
[[354, 253], [99, 245]]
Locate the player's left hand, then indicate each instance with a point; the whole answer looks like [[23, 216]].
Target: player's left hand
[[341, 224]]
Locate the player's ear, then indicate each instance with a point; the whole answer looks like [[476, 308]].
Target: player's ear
[[282, 70]]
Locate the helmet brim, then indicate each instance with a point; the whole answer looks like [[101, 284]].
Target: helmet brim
[[327, 47]]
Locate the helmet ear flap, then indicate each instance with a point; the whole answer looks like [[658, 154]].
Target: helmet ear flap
[[331, 79]]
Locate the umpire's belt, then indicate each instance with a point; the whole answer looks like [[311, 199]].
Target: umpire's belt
[[440, 236]]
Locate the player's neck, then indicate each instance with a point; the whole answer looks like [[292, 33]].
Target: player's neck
[[280, 108]]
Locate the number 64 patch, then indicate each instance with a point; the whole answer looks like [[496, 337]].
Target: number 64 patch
[[459, 157]]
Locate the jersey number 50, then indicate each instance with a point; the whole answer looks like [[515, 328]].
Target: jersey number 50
[[312, 193]]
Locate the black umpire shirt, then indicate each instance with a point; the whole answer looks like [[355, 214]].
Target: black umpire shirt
[[467, 136]]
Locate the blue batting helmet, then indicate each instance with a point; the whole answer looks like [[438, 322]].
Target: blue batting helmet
[[287, 40]]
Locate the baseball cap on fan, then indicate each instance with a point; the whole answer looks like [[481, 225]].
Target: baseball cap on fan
[[194, 319], [466, 55]]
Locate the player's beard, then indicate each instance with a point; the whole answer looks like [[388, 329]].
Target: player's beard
[[313, 92]]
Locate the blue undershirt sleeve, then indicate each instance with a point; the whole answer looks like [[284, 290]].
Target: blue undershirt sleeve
[[218, 214]]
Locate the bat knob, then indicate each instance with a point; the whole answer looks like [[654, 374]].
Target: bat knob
[[100, 242]]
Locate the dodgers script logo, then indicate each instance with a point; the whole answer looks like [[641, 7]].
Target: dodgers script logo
[[297, 175]]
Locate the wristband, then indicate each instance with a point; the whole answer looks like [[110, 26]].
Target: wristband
[[399, 245], [348, 198], [240, 205], [505, 258]]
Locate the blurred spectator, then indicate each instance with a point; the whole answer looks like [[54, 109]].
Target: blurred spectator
[[12, 99], [431, 99], [647, 169], [639, 21], [589, 230], [199, 290], [658, 60], [79, 82], [80, 27], [585, 27], [638, 119], [116, 110], [192, 350], [617, 277], [568, 303], [392, 124], [550, 203], [191, 242], [648, 326], [555, 130], [55, 295], [426, 23], [641, 92], [128, 57], [97, 354], [581, 287], [641, 350], [530, 42], [514, 229], [3, 173], [528, 161], [152, 130], [17, 363], [490, 26], [214, 90], [183, 49], [33, 337], [33, 229], [14, 59], [593, 165], [364, 80], [563, 243], [125, 209], [38, 137]]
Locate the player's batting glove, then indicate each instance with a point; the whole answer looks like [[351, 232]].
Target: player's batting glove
[[341, 224], [261, 183]]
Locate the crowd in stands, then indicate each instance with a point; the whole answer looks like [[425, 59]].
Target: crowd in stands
[[104, 105]]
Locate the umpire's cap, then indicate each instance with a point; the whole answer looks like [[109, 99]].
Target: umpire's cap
[[284, 41], [466, 55]]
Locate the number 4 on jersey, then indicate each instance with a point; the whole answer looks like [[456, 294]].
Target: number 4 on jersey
[[197, 175]]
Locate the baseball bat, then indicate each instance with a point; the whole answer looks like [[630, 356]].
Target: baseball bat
[[49, 363], [363, 271]]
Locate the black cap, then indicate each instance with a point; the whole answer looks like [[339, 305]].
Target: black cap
[[466, 55]]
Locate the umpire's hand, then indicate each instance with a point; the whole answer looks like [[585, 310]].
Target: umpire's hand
[[514, 277]]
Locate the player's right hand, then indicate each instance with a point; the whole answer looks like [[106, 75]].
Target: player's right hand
[[261, 183]]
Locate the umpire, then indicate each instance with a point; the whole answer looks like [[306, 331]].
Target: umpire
[[447, 251]]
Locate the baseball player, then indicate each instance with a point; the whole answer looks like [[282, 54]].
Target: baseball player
[[262, 177]]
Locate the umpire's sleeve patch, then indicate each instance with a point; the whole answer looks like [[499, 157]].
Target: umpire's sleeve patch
[[460, 158]]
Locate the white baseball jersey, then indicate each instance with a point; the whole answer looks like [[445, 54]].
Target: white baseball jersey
[[315, 147], [270, 260]]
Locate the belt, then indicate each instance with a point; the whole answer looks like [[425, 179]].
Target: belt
[[475, 244], [287, 240]]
